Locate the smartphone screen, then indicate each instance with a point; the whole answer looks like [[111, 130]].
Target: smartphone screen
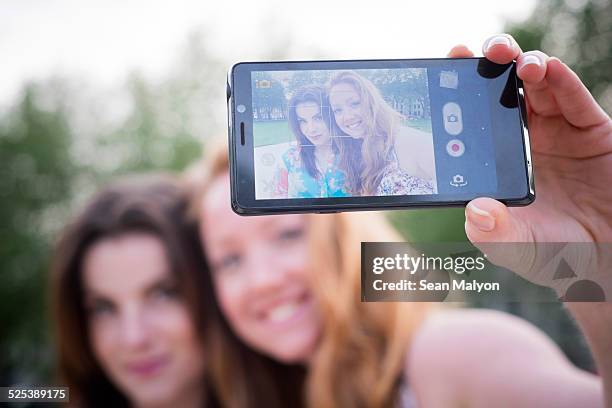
[[348, 135]]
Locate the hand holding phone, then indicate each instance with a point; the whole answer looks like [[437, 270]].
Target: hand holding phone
[[327, 136], [572, 154]]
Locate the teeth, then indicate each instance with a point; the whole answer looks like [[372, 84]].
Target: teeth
[[282, 312], [353, 125]]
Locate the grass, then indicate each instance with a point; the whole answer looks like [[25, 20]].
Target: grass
[[419, 124], [271, 132]]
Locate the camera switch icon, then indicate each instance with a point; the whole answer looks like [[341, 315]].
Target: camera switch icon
[[458, 181]]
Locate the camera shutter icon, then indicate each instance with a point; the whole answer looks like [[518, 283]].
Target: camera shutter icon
[[453, 122], [455, 148]]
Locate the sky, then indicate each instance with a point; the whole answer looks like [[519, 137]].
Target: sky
[[105, 40]]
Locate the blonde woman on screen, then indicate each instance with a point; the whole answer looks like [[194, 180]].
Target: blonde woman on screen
[[361, 113]]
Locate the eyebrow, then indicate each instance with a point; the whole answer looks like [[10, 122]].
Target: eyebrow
[[268, 221], [161, 281], [350, 99], [91, 294], [311, 117]]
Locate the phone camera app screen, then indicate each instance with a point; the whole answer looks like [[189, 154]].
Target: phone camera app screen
[[372, 132]]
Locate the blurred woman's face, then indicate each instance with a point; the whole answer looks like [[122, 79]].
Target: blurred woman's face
[[141, 331], [259, 267], [312, 123], [347, 106]]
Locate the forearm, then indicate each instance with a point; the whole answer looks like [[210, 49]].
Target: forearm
[[595, 321]]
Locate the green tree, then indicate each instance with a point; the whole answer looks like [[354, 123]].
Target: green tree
[[36, 175], [579, 32]]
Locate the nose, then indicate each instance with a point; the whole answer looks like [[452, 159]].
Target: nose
[[309, 128], [265, 274], [134, 329], [348, 116]]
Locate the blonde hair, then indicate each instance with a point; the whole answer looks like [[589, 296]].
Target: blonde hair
[[362, 350], [380, 120]]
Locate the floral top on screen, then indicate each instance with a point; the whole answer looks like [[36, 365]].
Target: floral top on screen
[[300, 184], [396, 181]]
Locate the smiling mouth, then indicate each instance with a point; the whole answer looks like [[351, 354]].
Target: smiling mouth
[[353, 126], [147, 368], [286, 311], [283, 312]]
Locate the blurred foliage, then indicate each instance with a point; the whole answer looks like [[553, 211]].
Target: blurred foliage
[[35, 178], [579, 32], [430, 225]]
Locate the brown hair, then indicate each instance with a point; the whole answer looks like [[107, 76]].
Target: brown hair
[[154, 204], [241, 376], [362, 350], [315, 94]]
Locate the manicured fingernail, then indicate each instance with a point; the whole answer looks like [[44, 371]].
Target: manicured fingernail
[[498, 40], [481, 219], [555, 59], [530, 60]]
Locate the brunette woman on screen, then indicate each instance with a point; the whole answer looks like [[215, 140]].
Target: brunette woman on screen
[[313, 165], [130, 304]]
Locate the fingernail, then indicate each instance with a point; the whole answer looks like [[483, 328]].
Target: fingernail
[[498, 40], [550, 59], [481, 219], [530, 59]]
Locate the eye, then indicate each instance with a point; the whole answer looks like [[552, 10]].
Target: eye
[[100, 307], [290, 234], [165, 292], [228, 262], [355, 104], [301, 121], [337, 111]]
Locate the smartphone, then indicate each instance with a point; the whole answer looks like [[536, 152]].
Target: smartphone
[[329, 136]]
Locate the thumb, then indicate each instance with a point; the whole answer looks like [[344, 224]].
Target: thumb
[[489, 223], [488, 220], [507, 239]]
